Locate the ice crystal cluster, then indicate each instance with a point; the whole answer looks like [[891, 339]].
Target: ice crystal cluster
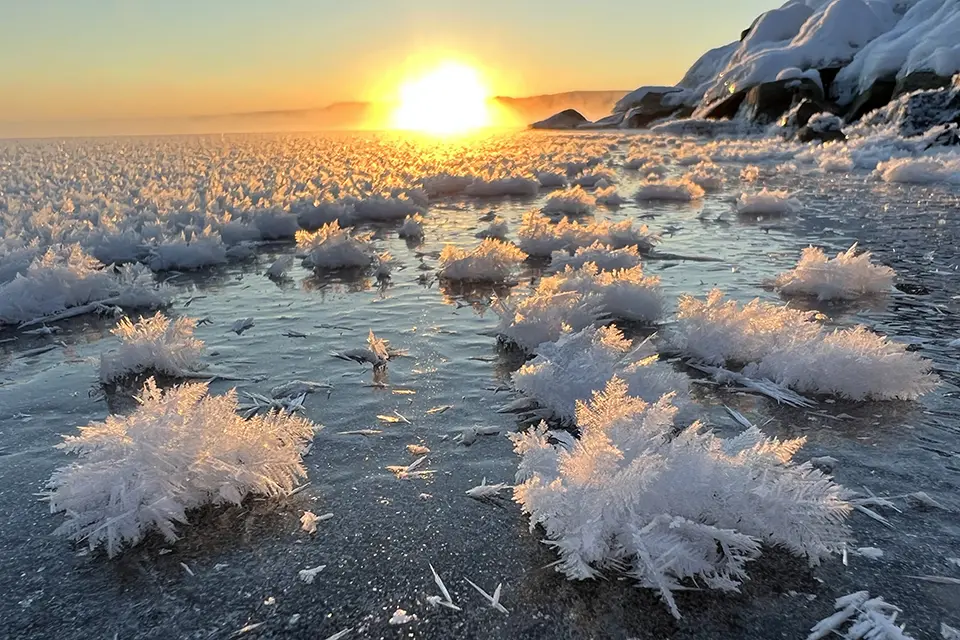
[[491, 261], [154, 344], [865, 618], [64, 277], [572, 202], [604, 256], [846, 277], [792, 349], [681, 190], [571, 369], [767, 202], [671, 510], [576, 298], [179, 450], [538, 235], [412, 227], [332, 247]]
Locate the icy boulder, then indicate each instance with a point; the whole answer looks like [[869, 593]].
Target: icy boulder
[[566, 119]]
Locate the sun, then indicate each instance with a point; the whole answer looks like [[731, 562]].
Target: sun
[[450, 98]]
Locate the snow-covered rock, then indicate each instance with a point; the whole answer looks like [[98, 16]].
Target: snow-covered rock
[[566, 119]]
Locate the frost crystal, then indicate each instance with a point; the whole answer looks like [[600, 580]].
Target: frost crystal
[[789, 348], [575, 299], [864, 616], [538, 235], [846, 277], [671, 510], [153, 344], [334, 248], [605, 257], [180, 449], [65, 278], [767, 203], [682, 190], [573, 202], [577, 365], [492, 261]]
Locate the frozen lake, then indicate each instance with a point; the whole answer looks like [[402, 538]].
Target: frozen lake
[[111, 195]]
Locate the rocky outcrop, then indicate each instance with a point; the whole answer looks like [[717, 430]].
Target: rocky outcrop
[[879, 94], [916, 113], [920, 81], [611, 121], [766, 102], [566, 119]]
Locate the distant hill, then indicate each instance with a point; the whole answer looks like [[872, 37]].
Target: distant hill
[[337, 116], [367, 115]]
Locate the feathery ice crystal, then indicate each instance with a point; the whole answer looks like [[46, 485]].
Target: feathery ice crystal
[[867, 617], [605, 257], [846, 277], [577, 298], [492, 261], [790, 348], [179, 450], [671, 509], [682, 190], [65, 277], [538, 235], [572, 202], [498, 230], [625, 294], [767, 203], [571, 369], [718, 331], [188, 252], [332, 247], [153, 344]]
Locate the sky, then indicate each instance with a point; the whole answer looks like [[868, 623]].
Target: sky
[[90, 59]]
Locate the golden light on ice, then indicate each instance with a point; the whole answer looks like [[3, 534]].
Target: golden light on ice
[[450, 98]]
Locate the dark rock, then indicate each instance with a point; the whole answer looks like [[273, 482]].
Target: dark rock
[[724, 108], [878, 95], [799, 115], [949, 137], [766, 102], [638, 118], [920, 81], [827, 76], [916, 113], [566, 119], [810, 134], [608, 122]]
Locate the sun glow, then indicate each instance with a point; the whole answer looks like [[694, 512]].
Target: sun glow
[[450, 98]]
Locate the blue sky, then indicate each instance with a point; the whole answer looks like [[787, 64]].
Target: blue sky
[[130, 58]]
